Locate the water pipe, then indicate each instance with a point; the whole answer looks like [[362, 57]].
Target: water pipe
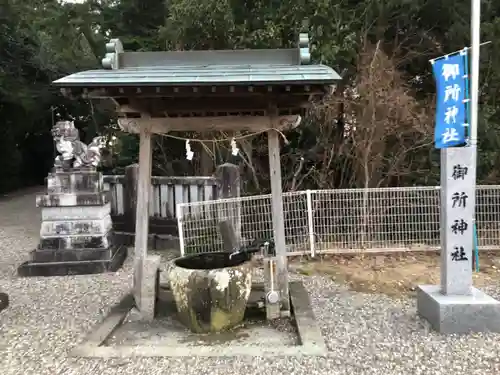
[[476, 247]]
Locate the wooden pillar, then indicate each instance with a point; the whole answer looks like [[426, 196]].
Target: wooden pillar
[[130, 196], [278, 220], [142, 214]]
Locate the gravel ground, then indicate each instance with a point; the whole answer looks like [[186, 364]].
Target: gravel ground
[[366, 334]]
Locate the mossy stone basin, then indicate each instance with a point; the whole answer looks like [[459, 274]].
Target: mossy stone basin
[[211, 290]]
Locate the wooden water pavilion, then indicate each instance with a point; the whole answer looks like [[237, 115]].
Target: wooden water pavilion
[[223, 90]]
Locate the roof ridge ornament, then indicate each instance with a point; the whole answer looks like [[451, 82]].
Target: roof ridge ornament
[[304, 54], [113, 48]]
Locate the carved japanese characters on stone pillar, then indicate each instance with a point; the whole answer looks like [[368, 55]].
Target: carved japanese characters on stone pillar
[[73, 152], [457, 199]]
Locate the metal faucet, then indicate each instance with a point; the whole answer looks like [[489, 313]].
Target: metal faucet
[[235, 252], [249, 250]]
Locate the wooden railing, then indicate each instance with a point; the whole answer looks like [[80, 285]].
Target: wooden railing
[[165, 194]]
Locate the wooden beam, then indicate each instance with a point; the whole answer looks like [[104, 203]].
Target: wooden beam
[[220, 91], [142, 214], [278, 221], [205, 124], [173, 107]]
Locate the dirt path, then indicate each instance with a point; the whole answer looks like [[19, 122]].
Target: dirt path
[[395, 275]]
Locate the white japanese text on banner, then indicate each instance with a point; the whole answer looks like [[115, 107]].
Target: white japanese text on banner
[[451, 116]]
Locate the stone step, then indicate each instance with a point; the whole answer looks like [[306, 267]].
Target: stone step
[[76, 213], [72, 255], [84, 267], [55, 228], [77, 242], [73, 199]]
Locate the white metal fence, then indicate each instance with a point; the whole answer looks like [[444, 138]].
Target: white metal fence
[[341, 221]]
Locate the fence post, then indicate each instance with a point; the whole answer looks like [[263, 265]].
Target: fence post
[[228, 186], [130, 196], [180, 228], [310, 222]]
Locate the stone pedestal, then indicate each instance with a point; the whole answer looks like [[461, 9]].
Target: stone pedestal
[[475, 312], [76, 235], [149, 287]]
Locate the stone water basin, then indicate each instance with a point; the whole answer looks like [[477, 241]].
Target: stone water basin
[[211, 290]]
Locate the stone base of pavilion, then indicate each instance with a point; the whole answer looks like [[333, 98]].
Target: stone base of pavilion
[[125, 333], [477, 312]]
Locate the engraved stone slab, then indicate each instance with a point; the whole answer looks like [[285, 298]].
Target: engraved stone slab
[[75, 182], [76, 242], [457, 221], [228, 186], [76, 213], [74, 199], [76, 227]]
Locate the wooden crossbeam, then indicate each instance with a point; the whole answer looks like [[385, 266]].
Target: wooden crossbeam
[[205, 124]]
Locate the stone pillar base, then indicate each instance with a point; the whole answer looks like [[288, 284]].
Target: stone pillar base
[[448, 314], [147, 296]]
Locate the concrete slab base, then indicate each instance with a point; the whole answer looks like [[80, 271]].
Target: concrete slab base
[[74, 267], [124, 334], [448, 314]]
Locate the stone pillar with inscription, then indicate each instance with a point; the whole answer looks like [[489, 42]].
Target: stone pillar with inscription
[[229, 213], [457, 205], [76, 235], [456, 306]]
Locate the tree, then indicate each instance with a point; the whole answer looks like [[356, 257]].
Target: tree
[[375, 131]]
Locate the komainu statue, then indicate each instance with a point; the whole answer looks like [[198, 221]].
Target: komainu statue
[[75, 153]]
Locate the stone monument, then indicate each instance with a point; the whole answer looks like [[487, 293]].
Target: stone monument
[[456, 306], [76, 231]]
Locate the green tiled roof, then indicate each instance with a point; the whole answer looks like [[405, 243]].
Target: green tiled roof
[[203, 75]]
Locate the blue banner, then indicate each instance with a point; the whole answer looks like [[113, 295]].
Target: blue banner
[[451, 116]]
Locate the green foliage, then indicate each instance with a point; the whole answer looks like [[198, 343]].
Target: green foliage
[[42, 40]]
